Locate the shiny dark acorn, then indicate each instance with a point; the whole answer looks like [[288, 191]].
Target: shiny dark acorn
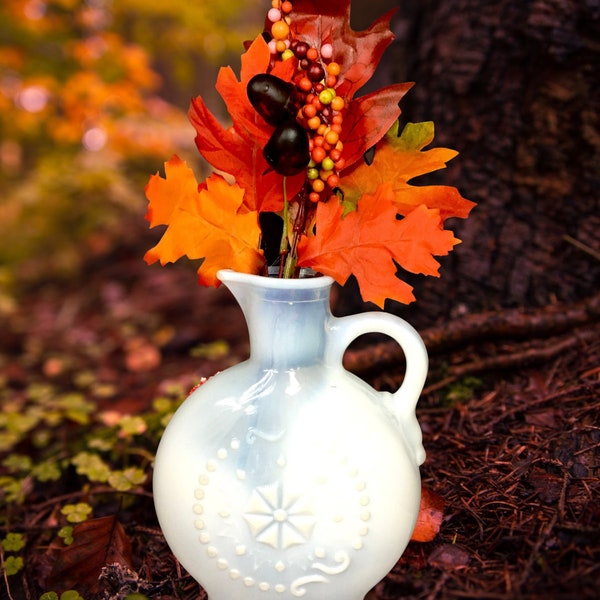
[[287, 149], [272, 98]]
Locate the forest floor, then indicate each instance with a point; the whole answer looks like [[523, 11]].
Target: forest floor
[[510, 418]]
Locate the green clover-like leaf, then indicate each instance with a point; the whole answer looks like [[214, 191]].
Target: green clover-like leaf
[[163, 405], [40, 392], [20, 423], [13, 564], [70, 595], [76, 513], [76, 407], [130, 425], [66, 533], [13, 489], [46, 471], [8, 440], [92, 466], [13, 542], [125, 480], [18, 463], [102, 444]]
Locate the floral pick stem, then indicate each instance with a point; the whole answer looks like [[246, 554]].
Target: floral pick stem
[[300, 220], [284, 244]]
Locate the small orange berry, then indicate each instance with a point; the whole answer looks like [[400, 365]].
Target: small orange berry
[[338, 103], [314, 122], [332, 137], [318, 154], [333, 68], [305, 84], [314, 197], [335, 155], [280, 30], [309, 111], [312, 54], [318, 185], [286, 7], [333, 181]]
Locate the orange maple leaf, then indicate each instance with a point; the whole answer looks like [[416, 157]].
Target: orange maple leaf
[[399, 159], [369, 241], [209, 223], [237, 150]]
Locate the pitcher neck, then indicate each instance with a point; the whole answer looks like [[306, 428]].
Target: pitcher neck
[[287, 319]]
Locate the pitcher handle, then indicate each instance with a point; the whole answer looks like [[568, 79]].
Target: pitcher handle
[[403, 402]]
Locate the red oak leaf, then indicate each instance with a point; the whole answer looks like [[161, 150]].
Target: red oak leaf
[[399, 159], [209, 223], [369, 241], [369, 118], [357, 52]]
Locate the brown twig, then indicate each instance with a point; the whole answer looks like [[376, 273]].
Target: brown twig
[[491, 326], [541, 352]]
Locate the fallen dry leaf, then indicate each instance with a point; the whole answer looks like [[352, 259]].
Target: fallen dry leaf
[[430, 516], [96, 542], [449, 556]]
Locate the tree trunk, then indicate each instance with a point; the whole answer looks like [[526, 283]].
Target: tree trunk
[[513, 86]]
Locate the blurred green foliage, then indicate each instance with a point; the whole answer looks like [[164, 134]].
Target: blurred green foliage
[[93, 96]]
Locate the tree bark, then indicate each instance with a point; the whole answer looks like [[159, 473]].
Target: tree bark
[[513, 86]]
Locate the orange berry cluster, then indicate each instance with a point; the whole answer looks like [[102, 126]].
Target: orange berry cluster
[[322, 111]]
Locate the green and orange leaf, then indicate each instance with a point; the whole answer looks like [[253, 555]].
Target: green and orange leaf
[[210, 223], [370, 241], [399, 159]]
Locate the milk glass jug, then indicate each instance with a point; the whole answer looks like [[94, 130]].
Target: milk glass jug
[[286, 476]]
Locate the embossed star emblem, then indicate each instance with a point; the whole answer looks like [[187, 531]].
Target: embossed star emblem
[[279, 518]]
